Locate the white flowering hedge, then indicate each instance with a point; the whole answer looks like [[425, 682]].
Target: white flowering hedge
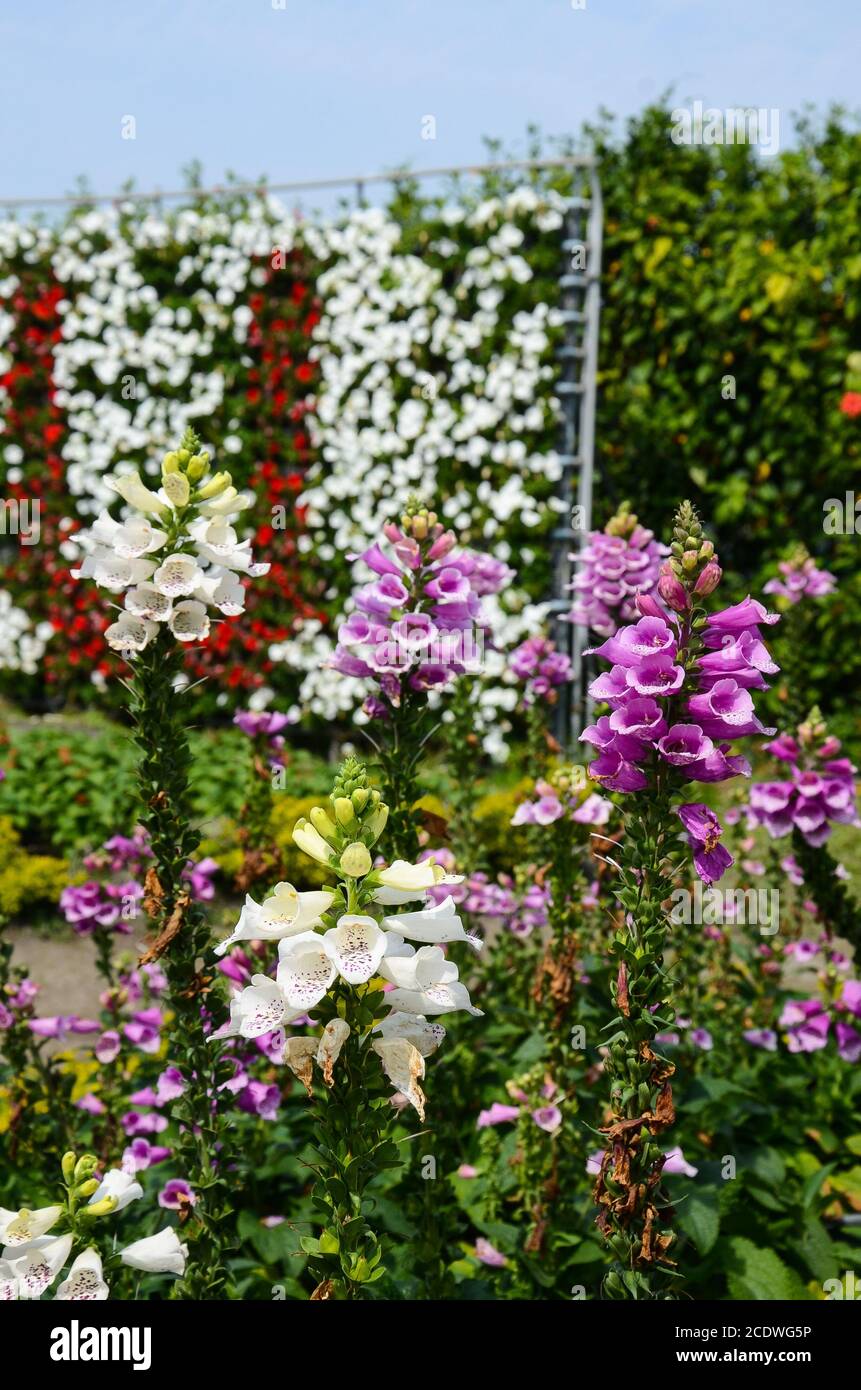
[[415, 347]]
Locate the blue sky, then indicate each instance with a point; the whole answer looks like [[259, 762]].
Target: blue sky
[[328, 87]]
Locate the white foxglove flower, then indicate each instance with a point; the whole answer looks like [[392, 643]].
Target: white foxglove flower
[[130, 539], [117, 1184], [24, 1226], [356, 946], [311, 842], [159, 1254], [223, 590], [285, 913], [305, 970], [178, 576], [335, 1034], [136, 493], [404, 1065], [217, 542], [84, 1281], [227, 503], [432, 924], [189, 621], [259, 1008], [8, 1282], [129, 634], [39, 1264], [113, 572], [177, 489], [145, 601], [425, 1037], [426, 983]]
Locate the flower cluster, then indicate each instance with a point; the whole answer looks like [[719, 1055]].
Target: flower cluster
[[332, 939], [561, 798], [808, 1022], [540, 667], [801, 577], [175, 555], [101, 904], [32, 1258], [419, 622], [820, 791], [614, 566], [265, 726]]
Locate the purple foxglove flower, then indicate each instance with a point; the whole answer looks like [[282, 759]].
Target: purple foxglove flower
[[675, 1162], [672, 591], [108, 1046], [765, 1038], [617, 774], [656, 675], [639, 718], [684, 744], [711, 859], [91, 1104], [140, 1155], [176, 1194], [611, 686], [498, 1114], [466, 1170], [747, 614], [548, 1118], [807, 1024], [259, 1099], [851, 996], [726, 711], [169, 1086], [848, 1042], [800, 580], [708, 579], [647, 638], [487, 1254], [702, 1038]]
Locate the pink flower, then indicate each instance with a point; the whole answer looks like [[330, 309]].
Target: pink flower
[[498, 1114], [548, 1118], [489, 1255]]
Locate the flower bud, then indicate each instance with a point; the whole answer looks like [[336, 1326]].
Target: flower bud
[[689, 561], [86, 1189], [375, 823], [359, 798], [170, 463], [323, 823], [344, 812], [85, 1167], [177, 488], [356, 860], [198, 466], [709, 579], [648, 607], [97, 1209], [216, 484], [67, 1163], [672, 591], [182, 457]]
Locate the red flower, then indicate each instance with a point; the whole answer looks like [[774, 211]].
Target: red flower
[[851, 404]]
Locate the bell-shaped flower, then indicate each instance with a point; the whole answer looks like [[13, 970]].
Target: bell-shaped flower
[[178, 576], [216, 541], [432, 924], [117, 1184], [189, 621], [159, 1254], [355, 946], [426, 983], [84, 1280], [311, 842], [285, 913], [223, 590], [259, 1008], [128, 539], [425, 1037], [411, 879], [112, 571], [39, 1264], [24, 1226], [129, 634], [132, 490], [404, 1065], [145, 601], [227, 503], [335, 1034], [305, 970]]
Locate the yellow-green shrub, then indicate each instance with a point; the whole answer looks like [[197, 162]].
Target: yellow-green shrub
[[25, 878]]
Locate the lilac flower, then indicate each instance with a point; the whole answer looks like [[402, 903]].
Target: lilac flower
[[702, 1038], [848, 1042], [821, 793], [498, 1114], [675, 1162], [711, 859], [108, 1046], [257, 1098], [91, 1104], [765, 1038], [466, 1170], [140, 1155], [807, 1023], [169, 1086], [176, 1194], [851, 996]]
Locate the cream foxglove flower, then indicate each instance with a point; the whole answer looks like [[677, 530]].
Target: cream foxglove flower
[[129, 634], [111, 571], [117, 1184], [178, 576], [227, 503], [159, 1254], [223, 590], [311, 842], [355, 946], [426, 983], [404, 1065], [432, 924], [177, 489], [24, 1226], [259, 1008], [408, 878], [217, 542], [335, 1034], [38, 1266], [189, 621], [8, 1282], [84, 1280], [305, 969], [285, 913], [145, 601], [136, 493]]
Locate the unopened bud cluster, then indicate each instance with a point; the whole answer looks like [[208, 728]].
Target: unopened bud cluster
[[692, 567]]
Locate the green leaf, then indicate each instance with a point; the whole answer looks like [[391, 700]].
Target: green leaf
[[698, 1216], [760, 1274]]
